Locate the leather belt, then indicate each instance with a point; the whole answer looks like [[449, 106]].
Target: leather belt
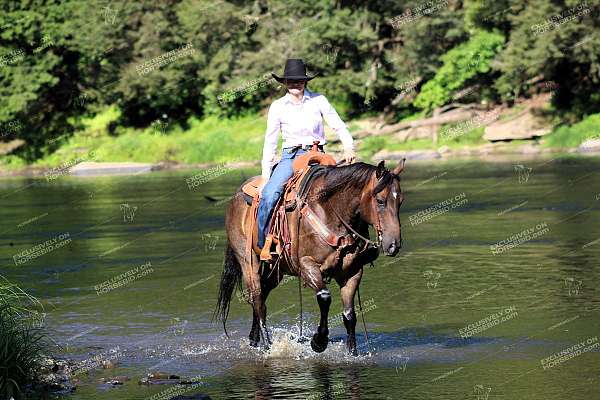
[[306, 147]]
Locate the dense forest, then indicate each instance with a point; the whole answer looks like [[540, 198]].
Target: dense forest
[[171, 59]]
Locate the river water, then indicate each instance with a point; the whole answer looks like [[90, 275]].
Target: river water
[[498, 273]]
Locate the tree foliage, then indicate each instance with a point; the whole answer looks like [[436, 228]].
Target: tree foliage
[[60, 60], [460, 65]]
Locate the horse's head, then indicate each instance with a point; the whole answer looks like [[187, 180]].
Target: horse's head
[[380, 206]]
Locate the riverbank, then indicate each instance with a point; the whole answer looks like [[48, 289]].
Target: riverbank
[[494, 152], [100, 149]]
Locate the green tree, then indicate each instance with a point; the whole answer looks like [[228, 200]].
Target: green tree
[[460, 65]]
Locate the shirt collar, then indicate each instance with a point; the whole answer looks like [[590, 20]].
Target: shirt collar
[[307, 95]]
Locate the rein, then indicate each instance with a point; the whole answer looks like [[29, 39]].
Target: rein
[[362, 315], [368, 242], [378, 229]]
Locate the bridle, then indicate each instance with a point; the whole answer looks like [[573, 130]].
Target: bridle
[[378, 228], [377, 223]]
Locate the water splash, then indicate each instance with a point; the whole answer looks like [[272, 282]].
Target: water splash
[[287, 343]]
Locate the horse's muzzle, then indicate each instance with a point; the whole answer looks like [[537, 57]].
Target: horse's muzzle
[[393, 248]]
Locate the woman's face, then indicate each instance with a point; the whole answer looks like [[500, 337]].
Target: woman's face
[[295, 87]]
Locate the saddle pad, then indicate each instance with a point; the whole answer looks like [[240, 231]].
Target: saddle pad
[[311, 173]]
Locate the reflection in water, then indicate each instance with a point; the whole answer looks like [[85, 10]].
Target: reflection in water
[[263, 379], [318, 380]]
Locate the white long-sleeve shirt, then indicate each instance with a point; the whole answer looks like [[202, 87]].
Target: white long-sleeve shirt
[[300, 124]]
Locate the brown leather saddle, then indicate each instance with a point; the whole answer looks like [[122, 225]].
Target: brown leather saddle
[[278, 230]]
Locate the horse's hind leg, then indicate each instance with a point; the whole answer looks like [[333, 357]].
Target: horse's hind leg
[[267, 284], [255, 331], [254, 296], [311, 274], [258, 290]]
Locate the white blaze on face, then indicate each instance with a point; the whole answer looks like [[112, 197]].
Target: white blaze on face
[[395, 194]]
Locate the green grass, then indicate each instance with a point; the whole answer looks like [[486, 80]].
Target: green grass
[[574, 135], [22, 344], [211, 140]]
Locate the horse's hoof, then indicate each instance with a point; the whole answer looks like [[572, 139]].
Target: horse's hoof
[[351, 347], [317, 344], [254, 343], [267, 343]]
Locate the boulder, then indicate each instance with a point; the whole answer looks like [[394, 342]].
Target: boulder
[[589, 146], [444, 150], [524, 126]]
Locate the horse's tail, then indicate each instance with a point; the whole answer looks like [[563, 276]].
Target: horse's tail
[[230, 278]]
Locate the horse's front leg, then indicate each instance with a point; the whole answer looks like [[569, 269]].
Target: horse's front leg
[[312, 276], [347, 290]]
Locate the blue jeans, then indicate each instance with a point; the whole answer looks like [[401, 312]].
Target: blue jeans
[[273, 190]]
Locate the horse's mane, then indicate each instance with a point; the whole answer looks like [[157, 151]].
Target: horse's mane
[[356, 175]]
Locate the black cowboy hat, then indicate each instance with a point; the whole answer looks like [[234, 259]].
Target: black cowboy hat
[[294, 69]]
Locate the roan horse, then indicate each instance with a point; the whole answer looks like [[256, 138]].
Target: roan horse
[[346, 200]]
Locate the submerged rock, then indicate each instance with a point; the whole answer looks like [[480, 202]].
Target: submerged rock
[[55, 375], [114, 381], [160, 378]]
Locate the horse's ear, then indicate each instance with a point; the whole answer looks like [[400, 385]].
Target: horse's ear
[[380, 169], [400, 167]]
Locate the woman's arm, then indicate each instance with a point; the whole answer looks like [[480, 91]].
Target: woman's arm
[[335, 122], [271, 137]]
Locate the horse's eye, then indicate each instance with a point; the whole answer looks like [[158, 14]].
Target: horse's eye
[[380, 201]]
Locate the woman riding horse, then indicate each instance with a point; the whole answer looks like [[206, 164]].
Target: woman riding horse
[[299, 115], [339, 203]]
